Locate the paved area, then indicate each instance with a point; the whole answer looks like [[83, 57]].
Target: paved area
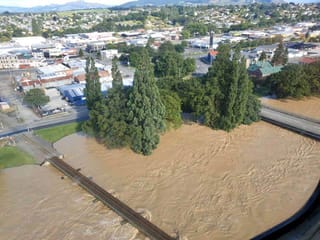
[[197, 54], [56, 100], [7, 91], [36, 147]]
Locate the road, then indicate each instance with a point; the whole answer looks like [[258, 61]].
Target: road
[[291, 122], [80, 115]]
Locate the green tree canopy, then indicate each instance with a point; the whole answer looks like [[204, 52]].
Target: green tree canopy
[[263, 56], [36, 27], [36, 97], [227, 90], [146, 111], [172, 104], [280, 56], [291, 81], [81, 52], [114, 128], [93, 87]]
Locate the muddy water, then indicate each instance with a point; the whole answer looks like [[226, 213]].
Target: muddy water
[[308, 106], [207, 184], [37, 204]]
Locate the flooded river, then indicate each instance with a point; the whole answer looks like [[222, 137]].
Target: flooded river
[[206, 184]]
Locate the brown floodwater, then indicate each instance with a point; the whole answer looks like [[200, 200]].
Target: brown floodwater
[[206, 184], [308, 106]]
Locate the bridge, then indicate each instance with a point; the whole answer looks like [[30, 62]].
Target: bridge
[[305, 126], [135, 219]]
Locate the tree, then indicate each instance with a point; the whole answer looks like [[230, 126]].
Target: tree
[[116, 75], [134, 57], [99, 55], [172, 104], [146, 111], [290, 82], [94, 100], [263, 56], [80, 52], [36, 27], [169, 63], [185, 34], [280, 56], [312, 73], [189, 65], [114, 128], [92, 91], [224, 103], [36, 97], [252, 110]]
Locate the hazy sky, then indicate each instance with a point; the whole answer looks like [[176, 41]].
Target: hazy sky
[[32, 3]]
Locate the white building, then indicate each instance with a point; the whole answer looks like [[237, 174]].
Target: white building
[[108, 54], [29, 41]]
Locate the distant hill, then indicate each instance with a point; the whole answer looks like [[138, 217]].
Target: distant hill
[[76, 5], [140, 3]]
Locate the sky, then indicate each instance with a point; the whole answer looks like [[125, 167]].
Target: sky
[[32, 3]]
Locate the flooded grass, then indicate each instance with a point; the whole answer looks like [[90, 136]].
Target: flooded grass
[[13, 157]]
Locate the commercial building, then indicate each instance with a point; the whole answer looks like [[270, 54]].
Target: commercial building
[[46, 77], [108, 54], [73, 93], [95, 46], [29, 41]]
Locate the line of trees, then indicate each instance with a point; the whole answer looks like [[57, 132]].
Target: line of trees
[[132, 117], [136, 116], [223, 99]]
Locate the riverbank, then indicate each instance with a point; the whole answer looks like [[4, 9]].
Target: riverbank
[[13, 157]]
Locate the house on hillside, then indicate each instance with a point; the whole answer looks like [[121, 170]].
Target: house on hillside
[[262, 69]]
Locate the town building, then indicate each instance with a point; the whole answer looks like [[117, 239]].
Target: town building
[[262, 69], [95, 46], [109, 54]]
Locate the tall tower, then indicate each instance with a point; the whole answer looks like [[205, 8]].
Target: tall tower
[[211, 40]]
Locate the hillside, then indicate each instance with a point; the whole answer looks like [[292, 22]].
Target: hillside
[[76, 5], [185, 2]]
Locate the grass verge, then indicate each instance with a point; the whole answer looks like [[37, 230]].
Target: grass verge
[[54, 134], [14, 157]]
